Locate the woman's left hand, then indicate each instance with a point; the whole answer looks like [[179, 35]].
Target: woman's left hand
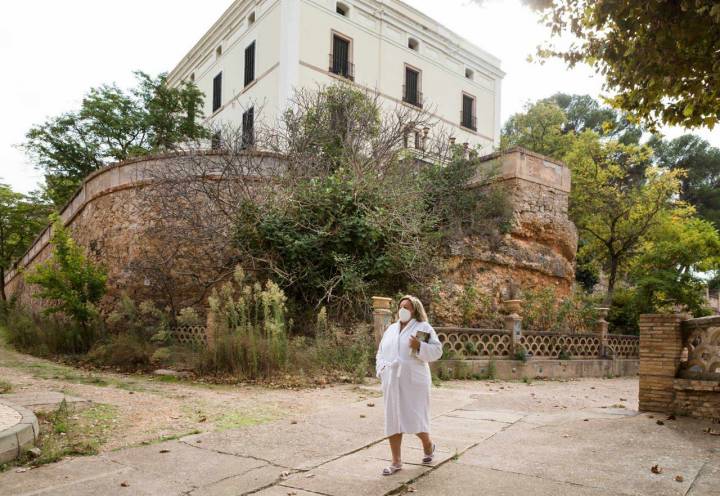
[[414, 343]]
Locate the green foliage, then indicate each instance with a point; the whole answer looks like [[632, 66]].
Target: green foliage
[[667, 270], [700, 185], [521, 354], [113, 124], [128, 351], [540, 128], [658, 58], [625, 309], [70, 284], [22, 217], [616, 199], [5, 387], [251, 329], [544, 310]]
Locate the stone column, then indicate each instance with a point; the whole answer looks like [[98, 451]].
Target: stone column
[[382, 316], [601, 328], [210, 329], [661, 346], [513, 323]]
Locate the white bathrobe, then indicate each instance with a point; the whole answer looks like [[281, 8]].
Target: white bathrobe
[[405, 377]]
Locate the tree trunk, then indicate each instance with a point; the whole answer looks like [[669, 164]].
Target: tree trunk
[[3, 296], [612, 277]]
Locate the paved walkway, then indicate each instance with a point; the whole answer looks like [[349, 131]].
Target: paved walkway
[[544, 439], [9, 417]]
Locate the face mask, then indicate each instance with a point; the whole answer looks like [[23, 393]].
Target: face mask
[[404, 314]]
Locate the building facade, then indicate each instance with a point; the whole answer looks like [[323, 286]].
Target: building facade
[[254, 57]]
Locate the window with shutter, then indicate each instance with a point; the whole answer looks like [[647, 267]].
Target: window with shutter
[[468, 113], [412, 93], [340, 58], [217, 92], [250, 64], [248, 128]]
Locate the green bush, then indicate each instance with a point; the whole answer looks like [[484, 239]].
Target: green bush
[[126, 350], [71, 286], [543, 310]]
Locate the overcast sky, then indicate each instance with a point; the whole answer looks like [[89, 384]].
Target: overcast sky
[[53, 51]]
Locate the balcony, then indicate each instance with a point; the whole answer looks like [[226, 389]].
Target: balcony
[[342, 68], [412, 98], [468, 121]]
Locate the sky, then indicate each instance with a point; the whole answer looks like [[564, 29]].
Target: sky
[[53, 51]]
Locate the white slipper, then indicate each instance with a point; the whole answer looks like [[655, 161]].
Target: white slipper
[[391, 469], [429, 458]]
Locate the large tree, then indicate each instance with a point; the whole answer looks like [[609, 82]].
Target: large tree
[[113, 124], [617, 199], [21, 219], [659, 58], [701, 161]]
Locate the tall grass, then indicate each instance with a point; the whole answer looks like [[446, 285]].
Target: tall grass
[[250, 328]]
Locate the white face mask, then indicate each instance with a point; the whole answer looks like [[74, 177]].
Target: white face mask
[[404, 315]]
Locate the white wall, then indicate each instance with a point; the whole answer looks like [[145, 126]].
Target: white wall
[[293, 44]]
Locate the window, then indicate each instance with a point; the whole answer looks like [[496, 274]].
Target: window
[[342, 9], [251, 19], [248, 128], [216, 141], [217, 92], [411, 90], [340, 58], [467, 118], [413, 44], [469, 74], [250, 64]]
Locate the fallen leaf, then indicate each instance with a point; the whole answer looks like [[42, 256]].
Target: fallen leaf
[[202, 419], [293, 421], [679, 478], [164, 451], [659, 422], [124, 484], [671, 417], [284, 474], [362, 416], [656, 469], [371, 404]]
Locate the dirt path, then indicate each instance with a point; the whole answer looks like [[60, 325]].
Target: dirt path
[[147, 408]]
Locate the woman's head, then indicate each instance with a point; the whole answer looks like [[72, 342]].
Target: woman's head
[[414, 306]]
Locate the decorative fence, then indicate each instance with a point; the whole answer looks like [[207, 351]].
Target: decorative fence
[[498, 343], [194, 335]]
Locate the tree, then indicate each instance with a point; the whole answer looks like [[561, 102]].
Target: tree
[[70, 283], [111, 125], [21, 219], [676, 251], [613, 206], [701, 183], [541, 128], [659, 58]]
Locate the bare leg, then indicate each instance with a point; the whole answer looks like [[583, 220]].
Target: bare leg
[[426, 442], [395, 447]]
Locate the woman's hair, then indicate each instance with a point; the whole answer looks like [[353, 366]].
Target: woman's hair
[[418, 308]]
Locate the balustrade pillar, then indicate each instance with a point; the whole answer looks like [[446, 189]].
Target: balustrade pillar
[[513, 323], [601, 328], [382, 316]]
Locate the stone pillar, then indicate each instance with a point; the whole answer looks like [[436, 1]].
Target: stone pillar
[[661, 346], [513, 323], [601, 328], [382, 316], [210, 329]]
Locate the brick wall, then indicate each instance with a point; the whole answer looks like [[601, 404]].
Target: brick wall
[[661, 390], [660, 352]]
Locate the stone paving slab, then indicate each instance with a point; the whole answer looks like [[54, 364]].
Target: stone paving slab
[[19, 429], [457, 479], [708, 480], [614, 454], [475, 411], [356, 474], [43, 399]]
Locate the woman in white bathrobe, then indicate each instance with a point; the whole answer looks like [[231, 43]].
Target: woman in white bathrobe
[[402, 366]]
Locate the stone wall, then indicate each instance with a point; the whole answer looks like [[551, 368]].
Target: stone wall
[[108, 218], [667, 381], [538, 252]]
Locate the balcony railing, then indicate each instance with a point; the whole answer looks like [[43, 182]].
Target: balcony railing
[[468, 121], [342, 68], [415, 98]]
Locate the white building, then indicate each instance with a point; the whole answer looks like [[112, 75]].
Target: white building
[[259, 51]]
